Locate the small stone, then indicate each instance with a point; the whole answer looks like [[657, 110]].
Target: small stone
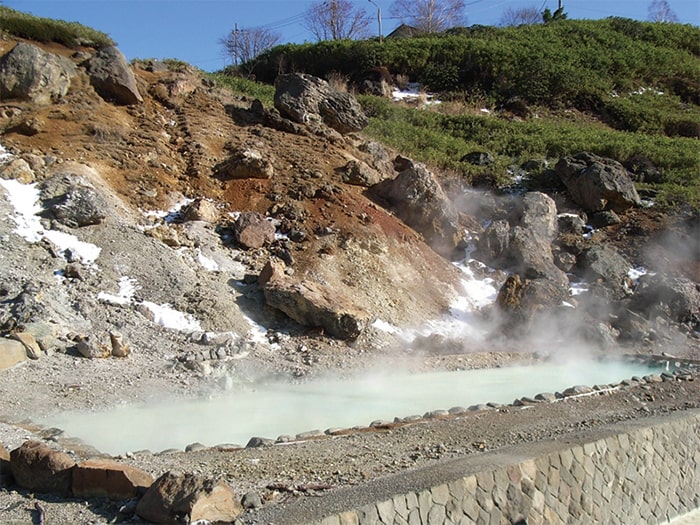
[[30, 345], [119, 347], [255, 442], [92, 350], [251, 500]]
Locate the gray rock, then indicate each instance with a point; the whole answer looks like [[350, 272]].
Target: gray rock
[[29, 73], [112, 77], [602, 219], [570, 223], [478, 158], [531, 256], [674, 297], [606, 263], [538, 213], [417, 198], [523, 245], [310, 100], [597, 183], [256, 442], [493, 243], [72, 202], [360, 174], [91, 349], [251, 500]]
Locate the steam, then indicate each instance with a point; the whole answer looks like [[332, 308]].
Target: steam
[[275, 409]]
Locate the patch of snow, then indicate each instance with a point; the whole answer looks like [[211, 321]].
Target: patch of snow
[[172, 215], [24, 199], [636, 273], [577, 288], [87, 252], [4, 154], [413, 92], [643, 90], [385, 327], [167, 317], [127, 287], [208, 264]]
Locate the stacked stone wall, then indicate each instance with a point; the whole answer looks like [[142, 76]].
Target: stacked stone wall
[[644, 476], [640, 472]]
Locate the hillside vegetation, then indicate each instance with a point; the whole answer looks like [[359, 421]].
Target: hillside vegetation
[[70, 34], [620, 88]]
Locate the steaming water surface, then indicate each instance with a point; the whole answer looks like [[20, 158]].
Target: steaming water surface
[[274, 409]]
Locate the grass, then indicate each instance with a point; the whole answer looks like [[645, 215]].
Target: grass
[[442, 140], [70, 34], [244, 86]]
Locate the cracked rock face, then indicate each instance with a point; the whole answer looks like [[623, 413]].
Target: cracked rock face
[[27, 72]]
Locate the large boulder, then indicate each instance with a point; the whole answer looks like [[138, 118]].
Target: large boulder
[[531, 256], [100, 478], [604, 264], [175, 497], [521, 300], [597, 183], [39, 468], [537, 212], [311, 304], [71, 200], [253, 230], [310, 100], [675, 297], [112, 77], [417, 198], [29, 73], [524, 245], [12, 353]]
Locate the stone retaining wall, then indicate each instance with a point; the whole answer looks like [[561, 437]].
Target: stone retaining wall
[[644, 471]]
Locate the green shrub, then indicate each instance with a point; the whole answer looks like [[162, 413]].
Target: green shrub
[[246, 87], [70, 34], [442, 140]]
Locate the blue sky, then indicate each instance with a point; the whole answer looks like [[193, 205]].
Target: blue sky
[[190, 30]]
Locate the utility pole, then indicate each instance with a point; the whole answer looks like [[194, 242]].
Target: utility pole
[[235, 44], [560, 5], [379, 19]]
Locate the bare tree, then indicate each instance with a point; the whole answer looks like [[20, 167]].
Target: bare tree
[[521, 16], [336, 20], [660, 11], [243, 45], [431, 16]]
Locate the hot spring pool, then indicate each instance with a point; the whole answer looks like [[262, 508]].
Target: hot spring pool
[[274, 409]]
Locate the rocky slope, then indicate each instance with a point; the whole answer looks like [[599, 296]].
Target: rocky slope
[[185, 236]]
